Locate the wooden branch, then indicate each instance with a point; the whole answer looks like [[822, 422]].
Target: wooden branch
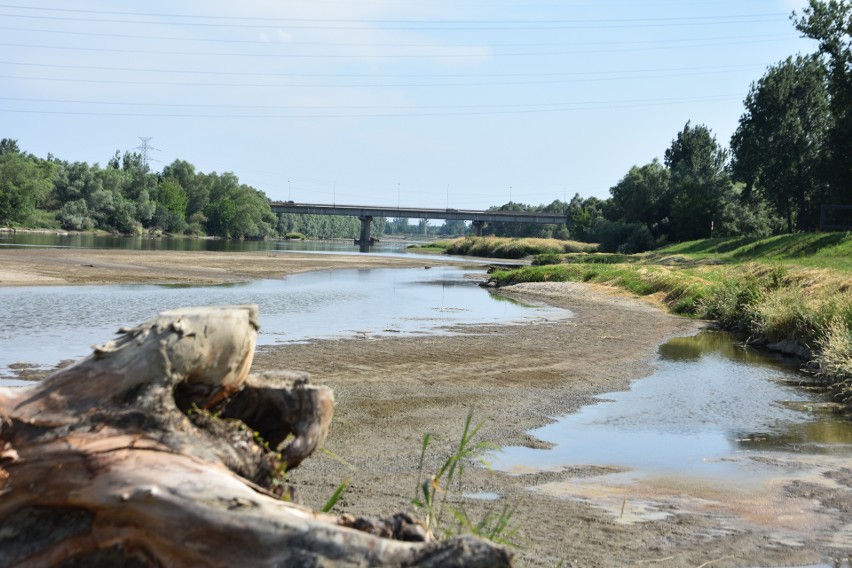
[[159, 449]]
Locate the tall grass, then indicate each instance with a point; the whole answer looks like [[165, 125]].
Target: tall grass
[[772, 303], [433, 494], [498, 247]]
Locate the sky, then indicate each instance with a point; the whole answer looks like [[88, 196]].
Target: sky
[[461, 104]]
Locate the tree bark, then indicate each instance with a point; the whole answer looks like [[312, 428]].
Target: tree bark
[[160, 449]]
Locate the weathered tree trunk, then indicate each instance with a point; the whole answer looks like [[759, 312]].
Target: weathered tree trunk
[[160, 449]]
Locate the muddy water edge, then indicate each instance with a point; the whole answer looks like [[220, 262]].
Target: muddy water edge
[[392, 391]]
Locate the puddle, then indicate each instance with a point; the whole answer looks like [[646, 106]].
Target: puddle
[[483, 496], [711, 407]]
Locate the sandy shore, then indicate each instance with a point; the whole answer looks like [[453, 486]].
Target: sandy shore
[[392, 391], [56, 266]]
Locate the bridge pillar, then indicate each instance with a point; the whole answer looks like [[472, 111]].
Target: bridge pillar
[[477, 226], [364, 241]]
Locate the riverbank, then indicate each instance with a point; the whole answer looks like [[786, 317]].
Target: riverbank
[[392, 391], [63, 266], [798, 310]]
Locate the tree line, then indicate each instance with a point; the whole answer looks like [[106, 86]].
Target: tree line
[[126, 197], [790, 154]]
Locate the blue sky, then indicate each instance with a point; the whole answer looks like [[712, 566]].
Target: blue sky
[[463, 104]]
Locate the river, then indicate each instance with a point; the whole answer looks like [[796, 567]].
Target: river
[[41, 326], [710, 403]]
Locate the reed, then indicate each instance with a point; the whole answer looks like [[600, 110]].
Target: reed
[[434, 493], [772, 302], [500, 247]]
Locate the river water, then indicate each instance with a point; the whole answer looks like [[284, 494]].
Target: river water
[[41, 326], [62, 240], [711, 402]]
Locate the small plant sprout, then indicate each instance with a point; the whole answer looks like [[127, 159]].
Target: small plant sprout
[[434, 492]]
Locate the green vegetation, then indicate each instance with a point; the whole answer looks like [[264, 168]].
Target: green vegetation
[[433, 494], [439, 247], [793, 288], [126, 197], [295, 235], [496, 247], [816, 250]]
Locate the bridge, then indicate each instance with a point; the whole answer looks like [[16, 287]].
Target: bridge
[[366, 214]]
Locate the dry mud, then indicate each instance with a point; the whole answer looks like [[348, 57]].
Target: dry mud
[[393, 391]]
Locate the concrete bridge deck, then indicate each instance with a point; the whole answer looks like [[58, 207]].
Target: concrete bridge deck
[[367, 213]]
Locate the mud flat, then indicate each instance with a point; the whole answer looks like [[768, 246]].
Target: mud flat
[[392, 391], [62, 266]]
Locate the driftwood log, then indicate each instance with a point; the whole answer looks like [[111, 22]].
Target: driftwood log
[[160, 449]]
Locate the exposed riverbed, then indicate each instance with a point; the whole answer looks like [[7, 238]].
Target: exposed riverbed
[[392, 390], [41, 326]]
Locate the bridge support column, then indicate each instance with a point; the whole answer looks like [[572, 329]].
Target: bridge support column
[[364, 241], [477, 226]]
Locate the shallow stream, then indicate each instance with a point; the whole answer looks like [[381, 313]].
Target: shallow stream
[[711, 403], [41, 326]]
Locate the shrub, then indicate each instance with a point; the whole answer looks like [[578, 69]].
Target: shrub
[[623, 237], [835, 359], [74, 216], [547, 258]]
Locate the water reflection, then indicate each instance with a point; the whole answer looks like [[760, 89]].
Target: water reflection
[[711, 397], [391, 247], [61, 240], [44, 325]]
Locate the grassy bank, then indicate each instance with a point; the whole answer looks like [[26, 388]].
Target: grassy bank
[[816, 250], [797, 297], [498, 247]]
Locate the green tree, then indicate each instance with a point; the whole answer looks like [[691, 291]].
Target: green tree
[[747, 214], [529, 229], [453, 227], [830, 23], [139, 185], [7, 146], [25, 183], [74, 216], [699, 182], [644, 195], [781, 145], [170, 214], [584, 214], [237, 211]]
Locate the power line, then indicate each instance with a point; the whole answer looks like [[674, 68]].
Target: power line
[[345, 107], [366, 85], [568, 107], [691, 69], [666, 42], [472, 55], [460, 25], [394, 21]]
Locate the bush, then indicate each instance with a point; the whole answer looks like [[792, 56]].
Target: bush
[[622, 237], [730, 303], [74, 216], [499, 247], [547, 258], [835, 345]]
